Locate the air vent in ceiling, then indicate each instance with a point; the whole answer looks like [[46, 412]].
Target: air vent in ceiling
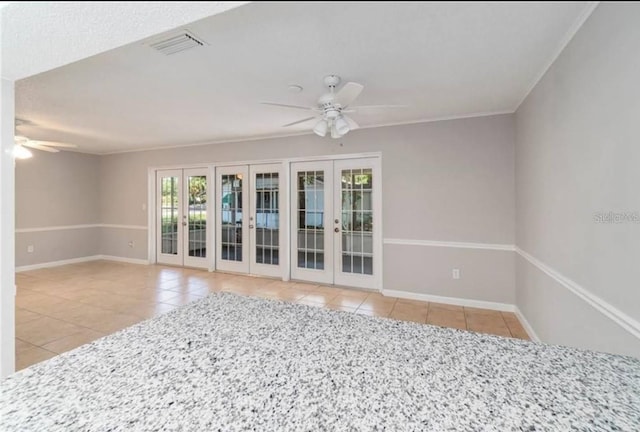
[[177, 43]]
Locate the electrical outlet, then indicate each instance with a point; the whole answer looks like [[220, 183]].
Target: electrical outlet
[[455, 273], [30, 249], [131, 244]]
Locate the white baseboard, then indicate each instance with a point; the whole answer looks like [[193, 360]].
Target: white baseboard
[[124, 260], [504, 307], [57, 263], [80, 260], [527, 327]]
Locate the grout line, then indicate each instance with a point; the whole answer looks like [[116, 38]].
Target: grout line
[[506, 324]]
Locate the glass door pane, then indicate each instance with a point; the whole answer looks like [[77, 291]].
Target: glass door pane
[[264, 223], [357, 237], [231, 217], [267, 221], [357, 221], [197, 215], [232, 228], [195, 218], [312, 221], [169, 215]]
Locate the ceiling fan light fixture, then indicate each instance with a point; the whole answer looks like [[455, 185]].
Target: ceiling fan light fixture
[[341, 126], [21, 152], [334, 132], [320, 129]]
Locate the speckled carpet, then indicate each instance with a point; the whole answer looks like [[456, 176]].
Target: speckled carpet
[[235, 363]]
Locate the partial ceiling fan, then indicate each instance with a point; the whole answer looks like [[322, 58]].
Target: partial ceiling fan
[[332, 107], [20, 151]]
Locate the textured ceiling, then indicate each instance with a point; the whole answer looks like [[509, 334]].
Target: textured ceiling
[[439, 59]]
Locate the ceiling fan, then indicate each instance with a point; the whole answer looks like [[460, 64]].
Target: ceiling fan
[[332, 107], [20, 150]]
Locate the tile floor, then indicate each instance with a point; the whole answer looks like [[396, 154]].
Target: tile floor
[[61, 308]]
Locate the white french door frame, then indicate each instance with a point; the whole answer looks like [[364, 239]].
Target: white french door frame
[[341, 277], [150, 206], [182, 256], [188, 260], [256, 268], [332, 272], [325, 274], [241, 172], [169, 258]]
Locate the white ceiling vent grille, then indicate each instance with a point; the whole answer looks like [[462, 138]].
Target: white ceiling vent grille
[[177, 43]]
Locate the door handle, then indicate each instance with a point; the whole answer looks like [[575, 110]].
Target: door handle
[[337, 230], [250, 226], [184, 224]]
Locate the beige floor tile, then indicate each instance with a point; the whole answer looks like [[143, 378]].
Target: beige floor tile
[[150, 295], [55, 310], [347, 301], [478, 311], [302, 286], [412, 304], [183, 299], [101, 297], [377, 309], [355, 293], [484, 321], [88, 316], [75, 340], [44, 330], [445, 306], [24, 316], [340, 308], [377, 300], [381, 312], [414, 314], [319, 297], [309, 303], [291, 294], [111, 301], [447, 318], [35, 300], [379, 303], [149, 310], [203, 289], [405, 307], [32, 356], [514, 325], [22, 345], [115, 322], [327, 290]]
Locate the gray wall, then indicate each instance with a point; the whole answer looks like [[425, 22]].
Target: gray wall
[[54, 190], [577, 154], [446, 181]]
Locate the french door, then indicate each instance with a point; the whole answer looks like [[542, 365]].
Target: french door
[[335, 215], [248, 209], [182, 201]]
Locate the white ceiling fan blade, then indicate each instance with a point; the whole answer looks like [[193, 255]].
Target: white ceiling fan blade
[[54, 144], [290, 106], [21, 139], [299, 121], [40, 147], [351, 122], [348, 93], [372, 107]]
